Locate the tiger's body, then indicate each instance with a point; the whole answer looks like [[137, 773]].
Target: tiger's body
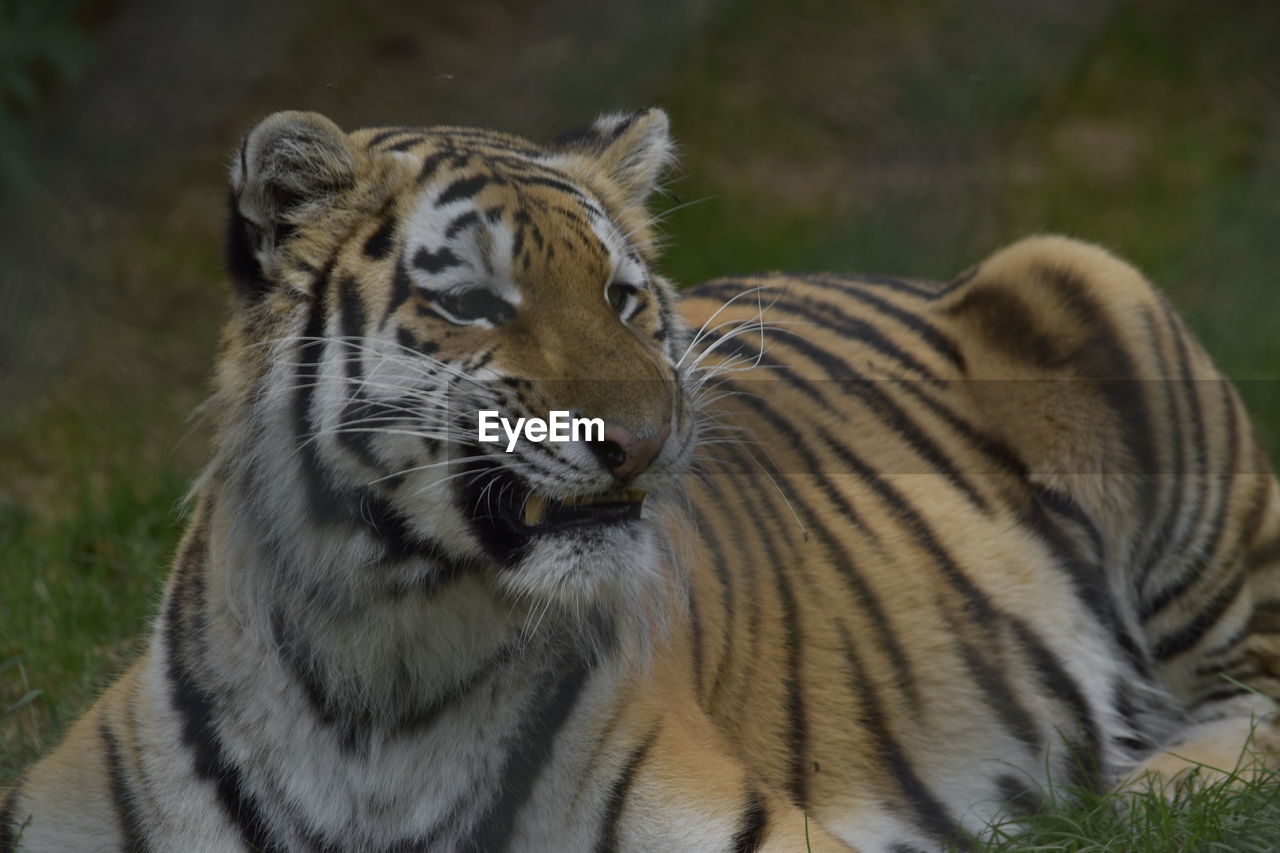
[[910, 555]]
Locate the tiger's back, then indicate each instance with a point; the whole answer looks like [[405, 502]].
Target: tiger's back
[[1015, 528], [909, 555]]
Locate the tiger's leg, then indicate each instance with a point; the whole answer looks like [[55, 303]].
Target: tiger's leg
[[76, 796], [681, 793], [1109, 401], [1213, 614], [674, 783]]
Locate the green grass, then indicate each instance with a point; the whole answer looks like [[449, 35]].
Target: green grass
[[1235, 814], [79, 593]]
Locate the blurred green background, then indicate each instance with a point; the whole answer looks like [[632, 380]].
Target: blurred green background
[[906, 137]]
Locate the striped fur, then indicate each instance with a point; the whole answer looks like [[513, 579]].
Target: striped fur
[[911, 554]]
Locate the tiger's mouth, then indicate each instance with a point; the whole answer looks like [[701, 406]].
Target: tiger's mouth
[[541, 513], [509, 513]]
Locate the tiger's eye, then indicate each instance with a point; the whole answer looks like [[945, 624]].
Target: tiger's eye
[[476, 303], [620, 295]]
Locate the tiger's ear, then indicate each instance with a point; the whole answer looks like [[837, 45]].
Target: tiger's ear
[[290, 163], [633, 150], [290, 167]]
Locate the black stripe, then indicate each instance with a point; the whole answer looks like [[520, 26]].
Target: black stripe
[[1052, 674], [695, 641], [930, 812], [797, 717], [996, 451], [407, 143], [131, 827], [1174, 417], [563, 186], [1086, 768], [622, 125], [516, 167], [1019, 794], [841, 556], [1206, 618], [463, 188], [929, 334], [1066, 507], [352, 723], [399, 542], [979, 608], [465, 220], [784, 426], [1199, 439], [664, 313], [720, 567], [409, 341], [327, 504], [1265, 618], [527, 754], [1001, 698], [1125, 693], [922, 291], [383, 135], [1221, 694], [431, 164], [10, 829], [608, 840], [1227, 475], [1106, 357], [586, 136], [955, 284], [352, 318], [828, 315], [195, 706], [867, 390], [517, 242], [1227, 646], [757, 514], [753, 826], [240, 256], [978, 605], [1087, 573], [746, 556], [378, 246], [402, 289], [491, 139], [1265, 553], [361, 418], [437, 261], [1006, 322], [1193, 572]]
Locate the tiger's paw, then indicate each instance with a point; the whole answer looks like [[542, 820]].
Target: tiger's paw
[[1239, 750]]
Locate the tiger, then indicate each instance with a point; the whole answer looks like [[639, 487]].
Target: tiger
[[853, 563]]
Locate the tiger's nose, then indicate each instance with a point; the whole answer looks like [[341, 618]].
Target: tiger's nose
[[626, 454]]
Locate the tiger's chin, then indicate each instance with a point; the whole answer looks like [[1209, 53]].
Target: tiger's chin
[[584, 554], [601, 567]]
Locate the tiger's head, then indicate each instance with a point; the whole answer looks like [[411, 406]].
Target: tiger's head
[[392, 283]]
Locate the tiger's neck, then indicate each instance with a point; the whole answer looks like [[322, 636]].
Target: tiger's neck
[[371, 642]]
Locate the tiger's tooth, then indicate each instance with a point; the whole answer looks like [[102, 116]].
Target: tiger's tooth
[[535, 509]]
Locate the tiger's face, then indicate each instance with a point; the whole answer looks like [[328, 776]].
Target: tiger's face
[[392, 285]]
